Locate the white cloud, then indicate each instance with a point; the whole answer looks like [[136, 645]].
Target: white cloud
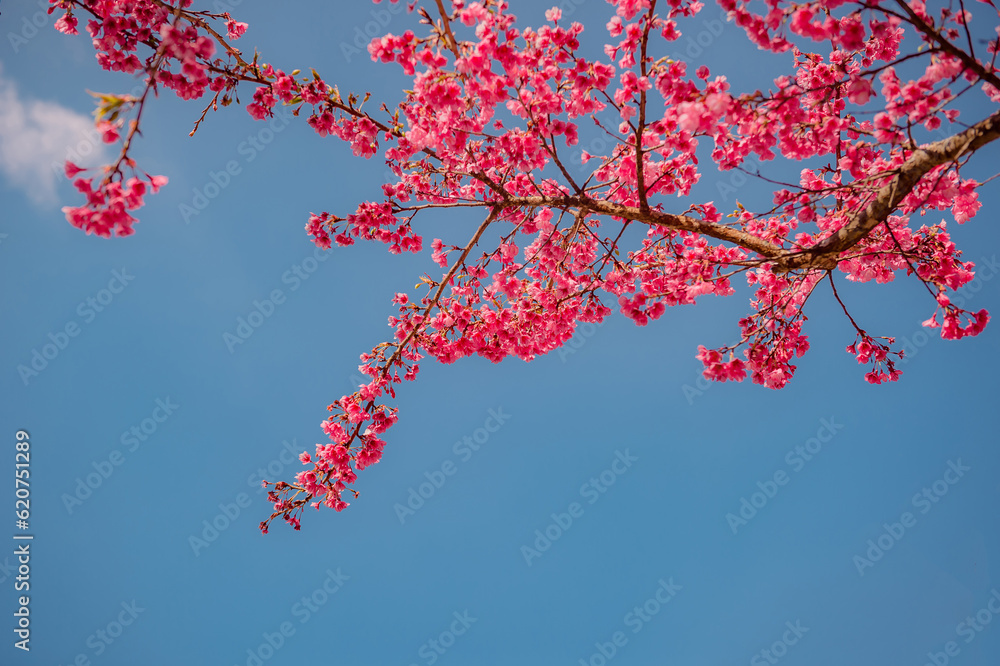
[[36, 139]]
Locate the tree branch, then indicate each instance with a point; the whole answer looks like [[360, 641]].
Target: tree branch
[[923, 160]]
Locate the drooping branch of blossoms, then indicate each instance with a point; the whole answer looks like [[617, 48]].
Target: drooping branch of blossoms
[[485, 126], [106, 212]]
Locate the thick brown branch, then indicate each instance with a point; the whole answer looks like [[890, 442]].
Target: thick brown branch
[[922, 161], [653, 217], [824, 255]]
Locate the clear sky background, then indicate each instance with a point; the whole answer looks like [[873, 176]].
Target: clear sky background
[[624, 393]]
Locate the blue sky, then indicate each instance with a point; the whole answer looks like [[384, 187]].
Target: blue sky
[[613, 448]]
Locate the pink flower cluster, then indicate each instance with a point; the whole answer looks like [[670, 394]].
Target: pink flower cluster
[[106, 212], [952, 328], [869, 350]]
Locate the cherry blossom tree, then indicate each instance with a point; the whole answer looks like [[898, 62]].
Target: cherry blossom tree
[[486, 126]]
